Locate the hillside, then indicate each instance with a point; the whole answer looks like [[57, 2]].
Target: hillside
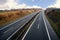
[[54, 18], [7, 16]]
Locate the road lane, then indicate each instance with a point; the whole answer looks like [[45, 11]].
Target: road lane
[[52, 33], [6, 32], [38, 30], [41, 30]]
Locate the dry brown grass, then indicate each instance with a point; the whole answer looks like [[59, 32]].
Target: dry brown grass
[[9, 16]]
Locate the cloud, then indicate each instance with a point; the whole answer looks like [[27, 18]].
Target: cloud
[[34, 6], [26, 6], [56, 4], [3, 2], [8, 5], [12, 4]]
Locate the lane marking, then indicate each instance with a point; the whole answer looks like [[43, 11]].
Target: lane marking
[[46, 26], [15, 21], [29, 27], [38, 26], [16, 31], [8, 30]]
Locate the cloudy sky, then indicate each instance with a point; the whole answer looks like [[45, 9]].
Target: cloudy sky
[[15, 4]]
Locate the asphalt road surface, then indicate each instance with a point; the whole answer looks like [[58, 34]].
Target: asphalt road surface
[[8, 30], [40, 30]]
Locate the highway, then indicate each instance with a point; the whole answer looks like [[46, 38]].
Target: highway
[[40, 29], [10, 29], [52, 33]]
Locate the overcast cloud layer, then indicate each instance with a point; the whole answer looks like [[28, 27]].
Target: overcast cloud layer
[[2, 2], [56, 4], [12, 4]]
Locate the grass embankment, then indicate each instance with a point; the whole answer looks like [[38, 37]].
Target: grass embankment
[[55, 25], [10, 16]]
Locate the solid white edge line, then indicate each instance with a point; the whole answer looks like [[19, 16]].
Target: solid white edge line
[[38, 26], [29, 27], [16, 31], [46, 27], [15, 22]]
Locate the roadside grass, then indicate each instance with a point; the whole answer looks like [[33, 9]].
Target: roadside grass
[[54, 26], [5, 22], [10, 16]]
